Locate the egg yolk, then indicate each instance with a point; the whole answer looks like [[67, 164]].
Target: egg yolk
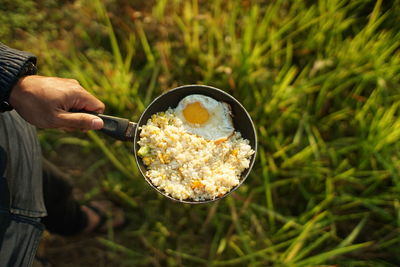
[[195, 113]]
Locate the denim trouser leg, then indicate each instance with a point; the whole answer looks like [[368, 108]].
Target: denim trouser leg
[[19, 239], [21, 191]]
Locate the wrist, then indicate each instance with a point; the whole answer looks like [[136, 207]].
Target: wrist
[[15, 92], [7, 104]]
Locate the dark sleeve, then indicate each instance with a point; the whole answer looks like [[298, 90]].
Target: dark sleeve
[[13, 63]]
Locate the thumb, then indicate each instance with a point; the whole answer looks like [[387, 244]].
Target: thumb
[[79, 121]]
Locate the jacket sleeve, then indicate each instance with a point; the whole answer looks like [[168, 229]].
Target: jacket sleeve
[[12, 65]]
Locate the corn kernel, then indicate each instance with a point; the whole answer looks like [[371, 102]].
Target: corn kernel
[[166, 159], [234, 152], [147, 161], [160, 157]]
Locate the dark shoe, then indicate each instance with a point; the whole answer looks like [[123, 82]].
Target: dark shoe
[[108, 216]]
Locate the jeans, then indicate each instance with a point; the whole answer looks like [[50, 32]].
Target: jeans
[[30, 199]]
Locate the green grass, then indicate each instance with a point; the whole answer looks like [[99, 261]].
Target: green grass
[[321, 79]]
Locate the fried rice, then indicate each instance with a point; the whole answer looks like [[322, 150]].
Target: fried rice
[[186, 166]]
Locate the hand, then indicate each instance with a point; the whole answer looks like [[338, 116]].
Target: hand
[[45, 102]]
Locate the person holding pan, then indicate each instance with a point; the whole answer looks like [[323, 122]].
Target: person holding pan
[[50, 102], [33, 194]]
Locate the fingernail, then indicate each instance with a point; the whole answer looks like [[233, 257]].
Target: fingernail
[[97, 123]]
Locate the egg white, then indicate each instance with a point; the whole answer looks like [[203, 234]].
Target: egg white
[[219, 125]]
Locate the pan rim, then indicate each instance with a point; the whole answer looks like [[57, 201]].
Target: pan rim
[[252, 161]]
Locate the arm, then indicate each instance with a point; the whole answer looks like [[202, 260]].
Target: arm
[[44, 101]]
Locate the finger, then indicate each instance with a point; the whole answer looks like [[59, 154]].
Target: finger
[[67, 129], [80, 99], [88, 102], [70, 129], [79, 121]]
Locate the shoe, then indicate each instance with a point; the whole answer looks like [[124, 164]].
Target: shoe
[[108, 216]]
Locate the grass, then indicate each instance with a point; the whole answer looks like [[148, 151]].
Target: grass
[[321, 81]]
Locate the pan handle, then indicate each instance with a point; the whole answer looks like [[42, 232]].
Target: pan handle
[[118, 128]]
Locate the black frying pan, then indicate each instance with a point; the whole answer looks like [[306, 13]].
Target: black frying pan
[[125, 130]]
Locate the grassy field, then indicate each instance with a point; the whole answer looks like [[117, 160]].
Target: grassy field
[[321, 79]]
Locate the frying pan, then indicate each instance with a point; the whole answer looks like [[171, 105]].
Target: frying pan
[[125, 130]]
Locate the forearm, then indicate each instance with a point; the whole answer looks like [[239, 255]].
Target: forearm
[[12, 64]]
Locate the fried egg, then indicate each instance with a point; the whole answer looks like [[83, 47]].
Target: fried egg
[[206, 117]]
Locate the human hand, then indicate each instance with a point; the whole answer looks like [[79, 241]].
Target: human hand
[[45, 102]]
